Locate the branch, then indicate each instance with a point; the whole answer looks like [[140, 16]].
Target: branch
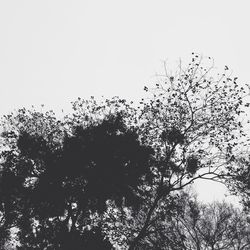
[[201, 176]]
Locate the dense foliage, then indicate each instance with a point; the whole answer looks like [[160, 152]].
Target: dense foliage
[[80, 181]]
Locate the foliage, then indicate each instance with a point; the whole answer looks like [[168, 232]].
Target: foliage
[[52, 181], [79, 178], [239, 183], [194, 123], [217, 225]]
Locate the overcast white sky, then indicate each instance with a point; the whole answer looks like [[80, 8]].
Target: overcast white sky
[[52, 51]]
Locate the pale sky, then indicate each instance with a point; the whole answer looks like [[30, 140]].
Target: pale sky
[[52, 51]]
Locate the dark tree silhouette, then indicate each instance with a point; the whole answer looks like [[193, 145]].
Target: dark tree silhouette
[[57, 176], [82, 179]]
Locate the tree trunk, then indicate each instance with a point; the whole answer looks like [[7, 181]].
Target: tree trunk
[[143, 231]]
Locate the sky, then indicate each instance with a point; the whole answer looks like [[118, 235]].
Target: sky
[[53, 51]]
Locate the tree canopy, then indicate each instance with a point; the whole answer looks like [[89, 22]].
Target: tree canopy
[[80, 181]]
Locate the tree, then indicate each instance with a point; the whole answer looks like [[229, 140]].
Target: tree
[[56, 175], [239, 184], [69, 176], [184, 223], [193, 122], [217, 226]]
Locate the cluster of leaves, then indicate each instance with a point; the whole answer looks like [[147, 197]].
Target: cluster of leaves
[[78, 179], [51, 182], [239, 183]]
